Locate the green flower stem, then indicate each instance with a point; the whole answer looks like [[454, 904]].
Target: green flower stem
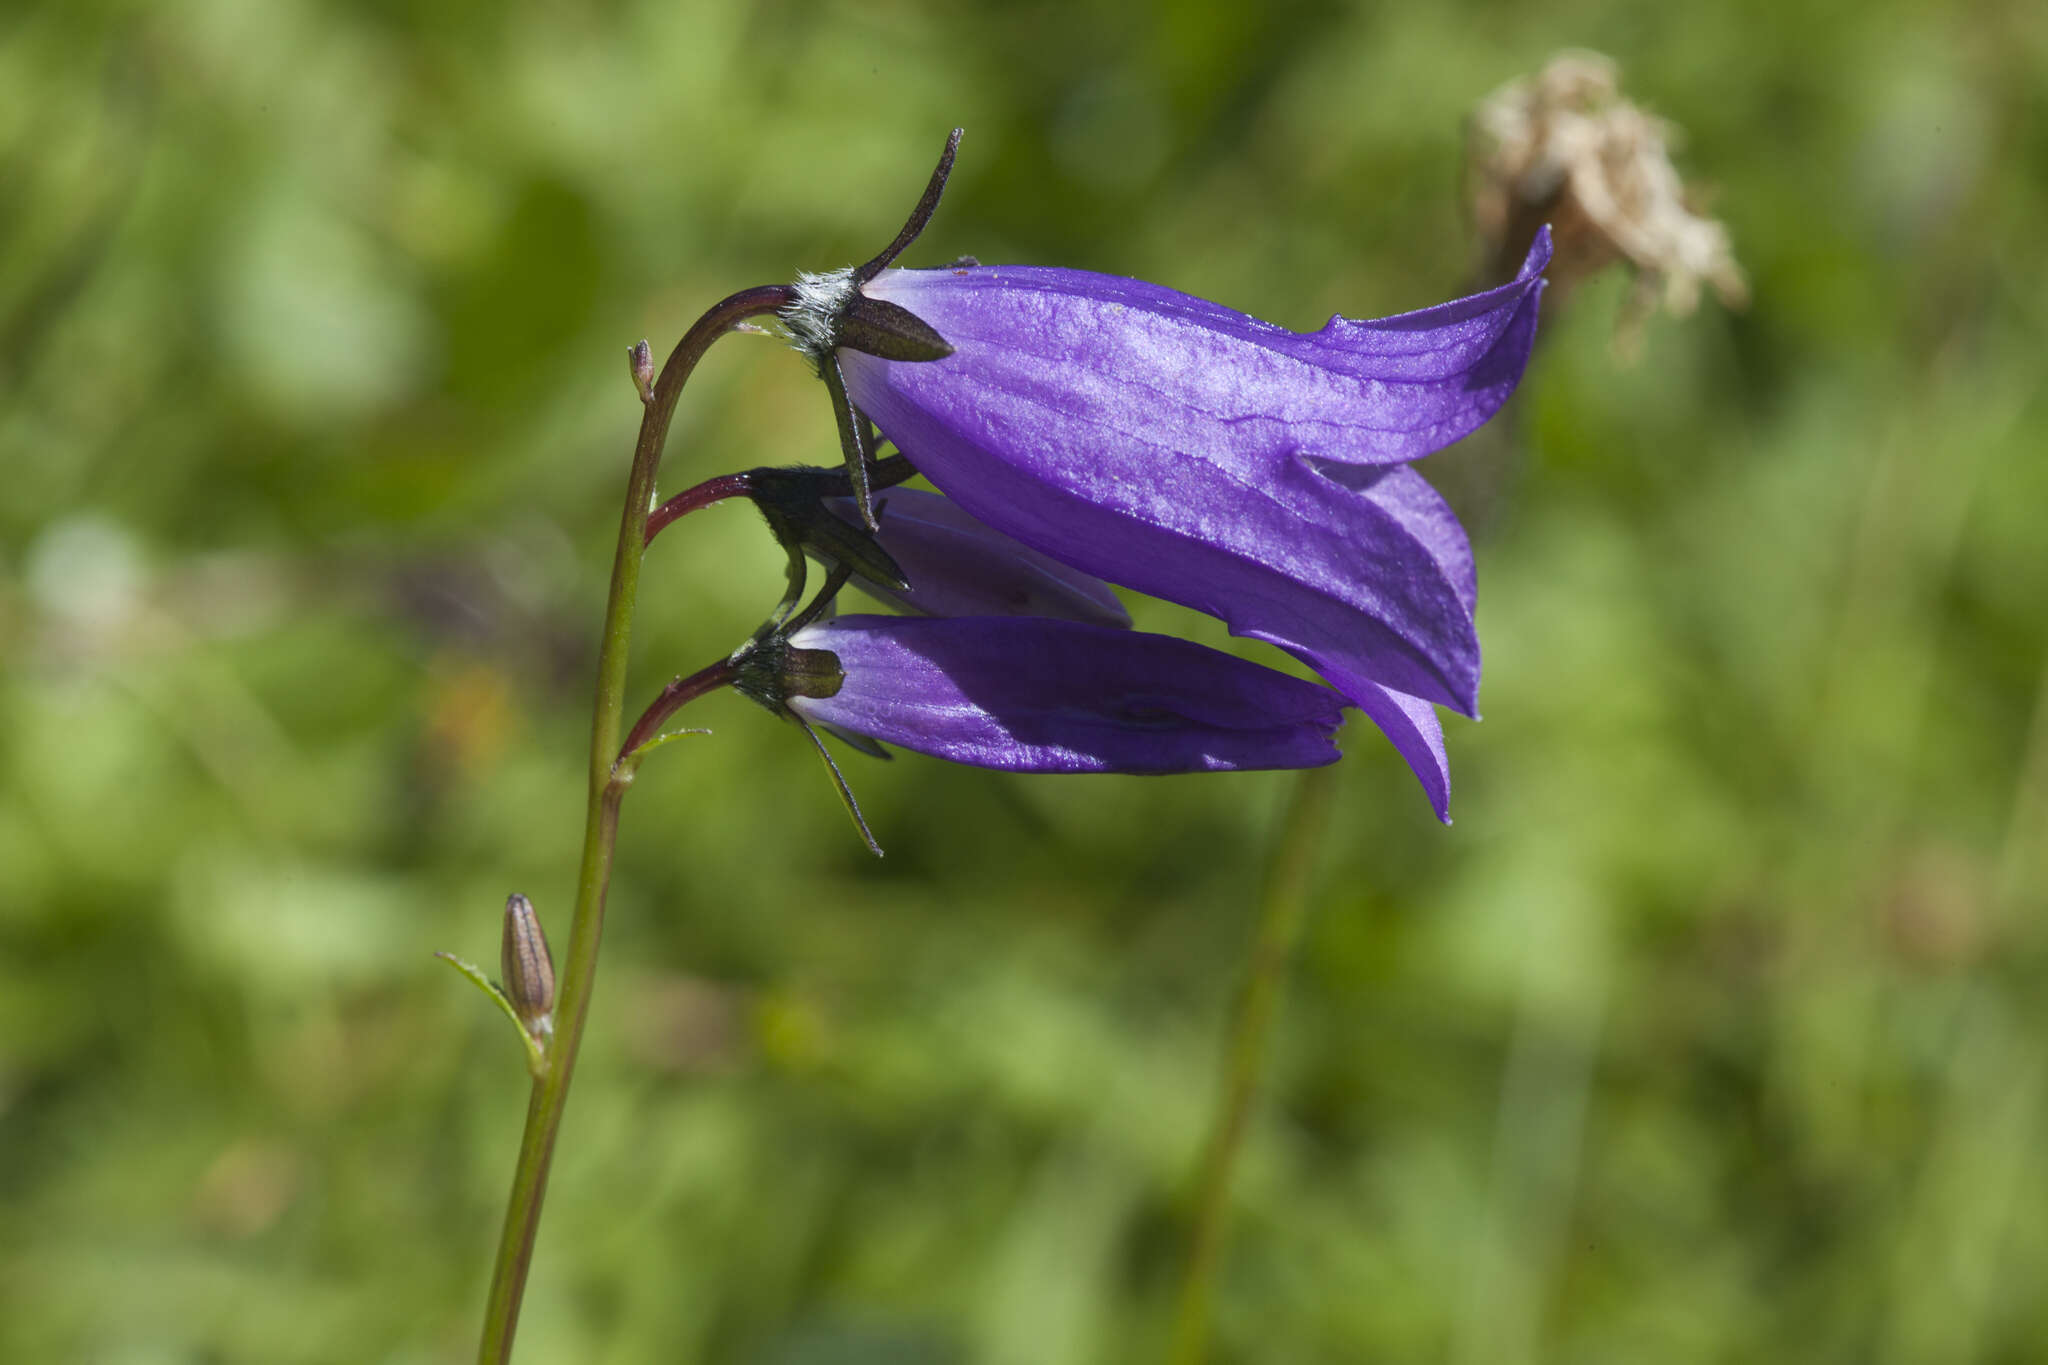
[[646, 731], [1282, 912], [609, 778]]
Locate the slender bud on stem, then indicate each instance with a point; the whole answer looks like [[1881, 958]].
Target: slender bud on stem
[[529, 967], [640, 359]]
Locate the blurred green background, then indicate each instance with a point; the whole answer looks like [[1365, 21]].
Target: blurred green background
[[1715, 1029]]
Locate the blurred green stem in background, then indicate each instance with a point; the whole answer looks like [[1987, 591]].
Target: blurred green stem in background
[[1282, 912], [611, 772]]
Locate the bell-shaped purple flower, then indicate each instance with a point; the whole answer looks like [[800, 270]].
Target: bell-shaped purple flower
[[955, 565], [1035, 694], [1196, 454]]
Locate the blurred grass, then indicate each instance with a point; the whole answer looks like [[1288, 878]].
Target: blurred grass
[[1712, 1030]]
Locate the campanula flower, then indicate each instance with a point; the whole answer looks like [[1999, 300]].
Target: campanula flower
[[1186, 450], [1196, 454], [1041, 695]]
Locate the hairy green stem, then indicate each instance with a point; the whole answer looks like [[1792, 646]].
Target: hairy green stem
[[1282, 911], [609, 778]]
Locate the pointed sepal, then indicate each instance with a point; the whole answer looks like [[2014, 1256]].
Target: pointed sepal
[[536, 1055], [891, 331]]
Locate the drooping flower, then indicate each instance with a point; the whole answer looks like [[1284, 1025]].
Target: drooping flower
[[1040, 695], [1180, 448], [1197, 454]]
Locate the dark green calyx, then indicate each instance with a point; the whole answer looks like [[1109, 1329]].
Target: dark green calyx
[[891, 331], [792, 502], [811, 672], [771, 671]]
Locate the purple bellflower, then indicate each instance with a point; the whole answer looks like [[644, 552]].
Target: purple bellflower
[[1199, 455], [1185, 450], [1041, 695]]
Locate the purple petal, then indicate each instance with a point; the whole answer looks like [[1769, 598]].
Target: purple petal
[[1067, 361], [1411, 723], [1199, 455], [1033, 694], [1374, 580], [958, 566]]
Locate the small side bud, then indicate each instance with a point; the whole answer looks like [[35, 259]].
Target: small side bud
[[529, 966], [640, 359]]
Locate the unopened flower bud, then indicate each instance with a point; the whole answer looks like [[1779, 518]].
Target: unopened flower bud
[[640, 360], [528, 966]]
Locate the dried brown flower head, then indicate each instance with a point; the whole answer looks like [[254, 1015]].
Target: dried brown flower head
[[1564, 147]]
